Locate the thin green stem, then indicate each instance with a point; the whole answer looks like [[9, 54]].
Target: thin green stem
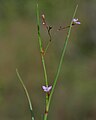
[[61, 59], [43, 61], [41, 47], [27, 94]]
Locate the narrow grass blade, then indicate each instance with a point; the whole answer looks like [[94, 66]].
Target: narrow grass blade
[[61, 59], [27, 94]]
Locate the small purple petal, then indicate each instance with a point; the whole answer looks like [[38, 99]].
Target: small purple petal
[[43, 87], [49, 88], [78, 23]]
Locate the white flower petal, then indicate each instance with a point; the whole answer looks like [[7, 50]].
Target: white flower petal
[[75, 20]]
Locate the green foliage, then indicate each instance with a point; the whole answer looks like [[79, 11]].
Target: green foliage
[[19, 49]]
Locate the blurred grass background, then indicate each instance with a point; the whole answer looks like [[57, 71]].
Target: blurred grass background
[[75, 94]]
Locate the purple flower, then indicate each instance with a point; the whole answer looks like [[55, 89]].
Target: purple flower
[[75, 21], [46, 89]]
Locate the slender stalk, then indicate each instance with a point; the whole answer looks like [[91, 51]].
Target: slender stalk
[[43, 61], [41, 47], [61, 59], [27, 94], [63, 28]]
